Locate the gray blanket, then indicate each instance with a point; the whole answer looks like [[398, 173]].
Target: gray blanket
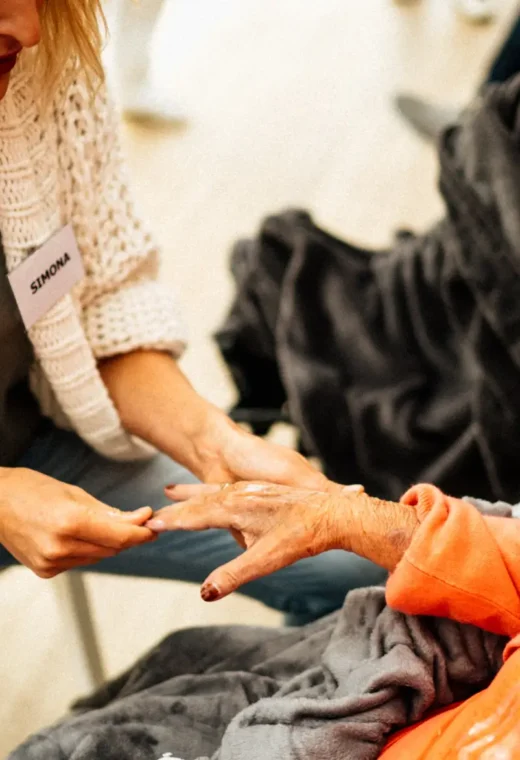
[[333, 690]]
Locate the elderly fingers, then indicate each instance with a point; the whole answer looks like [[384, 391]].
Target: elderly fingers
[[195, 514], [268, 555]]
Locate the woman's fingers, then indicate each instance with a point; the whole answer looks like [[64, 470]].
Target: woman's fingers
[[113, 531], [267, 556], [194, 490], [81, 561], [77, 549], [62, 565], [202, 490]]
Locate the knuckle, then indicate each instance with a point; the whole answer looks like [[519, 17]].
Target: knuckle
[[44, 570], [299, 531], [71, 493], [78, 496], [53, 551], [74, 491], [235, 490], [65, 523], [235, 523]]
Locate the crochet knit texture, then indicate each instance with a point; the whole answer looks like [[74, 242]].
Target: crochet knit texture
[[65, 166]]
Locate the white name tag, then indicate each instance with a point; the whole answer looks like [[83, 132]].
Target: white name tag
[[46, 276]]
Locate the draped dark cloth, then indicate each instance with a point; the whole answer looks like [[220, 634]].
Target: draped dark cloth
[[402, 365]]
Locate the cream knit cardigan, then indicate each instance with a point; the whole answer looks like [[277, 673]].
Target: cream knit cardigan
[[66, 167]]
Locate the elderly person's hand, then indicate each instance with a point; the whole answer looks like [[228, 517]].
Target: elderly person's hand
[[279, 525]]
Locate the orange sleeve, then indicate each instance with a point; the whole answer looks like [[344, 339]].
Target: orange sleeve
[[460, 565]]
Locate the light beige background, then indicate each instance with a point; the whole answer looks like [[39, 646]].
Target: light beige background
[[289, 103]]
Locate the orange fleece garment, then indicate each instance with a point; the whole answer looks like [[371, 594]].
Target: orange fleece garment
[[464, 566]]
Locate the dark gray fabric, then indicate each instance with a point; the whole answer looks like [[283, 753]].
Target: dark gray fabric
[[19, 413], [335, 689], [403, 365]]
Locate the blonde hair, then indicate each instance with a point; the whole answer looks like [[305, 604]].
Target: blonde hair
[[73, 33]]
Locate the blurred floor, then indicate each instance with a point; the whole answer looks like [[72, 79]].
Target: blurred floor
[[288, 104]]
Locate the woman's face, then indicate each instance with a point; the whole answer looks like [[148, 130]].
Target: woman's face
[[19, 28]]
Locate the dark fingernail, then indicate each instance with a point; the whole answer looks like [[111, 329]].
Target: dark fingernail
[[209, 592], [172, 485]]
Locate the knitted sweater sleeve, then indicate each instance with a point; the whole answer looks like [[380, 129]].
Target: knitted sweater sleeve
[[123, 306]]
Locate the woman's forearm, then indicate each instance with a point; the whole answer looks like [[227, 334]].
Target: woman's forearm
[[380, 531], [157, 403]]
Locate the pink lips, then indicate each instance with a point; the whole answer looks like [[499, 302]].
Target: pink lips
[[8, 62]]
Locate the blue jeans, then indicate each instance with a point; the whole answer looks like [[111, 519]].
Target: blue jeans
[[305, 591]]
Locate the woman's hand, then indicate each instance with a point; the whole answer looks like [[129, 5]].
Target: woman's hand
[[239, 456], [157, 403], [277, 525], [51, 527]]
